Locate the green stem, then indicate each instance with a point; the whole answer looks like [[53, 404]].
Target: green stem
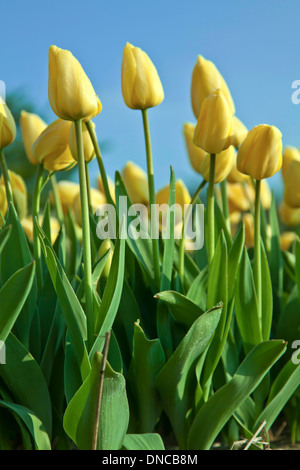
[[225, 204], [35, 212], [210, 209], [186, 217], [85, 235], [9, 195], [257, 248], [94, 139], [152, 197], [57, 201], [88, 187]]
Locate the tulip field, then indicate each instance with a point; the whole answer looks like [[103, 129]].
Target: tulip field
[[134, 317]]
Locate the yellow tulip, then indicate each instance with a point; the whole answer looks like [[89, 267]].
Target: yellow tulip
[[136, 183], [249, 229], [234, 176], [3, 203], [104, 247], [239, 131], [238, 199], [141, 85], [67, 190], [71, 94], [292, 184], [224, 162], [19, 192], [286, 239], [260, 154], [7, 126], [31, 128], [182, 197], [88, 147], [97, 199], [205, 79], [213, 128], [27, 224], [196, 154], [290, 154], [289, 215], [52, 147]]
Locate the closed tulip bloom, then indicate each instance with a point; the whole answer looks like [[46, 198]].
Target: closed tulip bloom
[[239, 131], [104, 247], [292, 185], [71, 94], [205, 79], [27, 224], [213, 128], [182, 197], [141, 85], [31, 128], [136, 183], [224, 162], [3, 204], [238, 200], [67, 190], [286, 240], [235, 176], [260, 154], [196, 154], [7, 126], [88, 147], [19, 191], [97, 199], [52, 147], [290, 154], [289, 215]]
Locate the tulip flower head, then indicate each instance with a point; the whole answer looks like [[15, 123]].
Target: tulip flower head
[[52, 147], [260, 154], [136, 183], [31, 128], [224, 163], [71, 94], [19, 191], [7, 126], [286, 240], [88, 147], [141, 85], [239, 131], [67, 190], [214, 125], [292, 185], [289, 215], [290, 154], [97, 199], [205, 79], [196, 154]]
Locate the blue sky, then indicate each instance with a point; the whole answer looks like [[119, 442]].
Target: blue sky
[[253, 43]]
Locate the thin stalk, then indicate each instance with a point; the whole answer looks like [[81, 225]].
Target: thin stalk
[[210, 209], [257, 248], [87, 258], [225, 204], [94, 139], [9, 195], [186, 217], [152, 197], [57, 201], [35, 211], [100, 390], [88, 187]]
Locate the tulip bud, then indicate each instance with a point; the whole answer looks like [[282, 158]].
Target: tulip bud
[[31, 128], [205, 79], [292, 185], [234, 176], [196, 154], [67, 190], [238, 199], [286, 239], [213, 128], [224, 162], [52, 147], [3, 204], [7, 126], [260, 154], [97, 199], [71, 94], [88, 147], [182, 197], [239, 131], [104, 247], [290, 154], [289, 215], [27, 224], [136, 183], [141, 85], [19, 192]]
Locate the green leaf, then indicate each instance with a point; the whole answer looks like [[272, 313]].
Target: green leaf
[[143, 442], [32, 422], [183, 310], [198, 288], [176, 380], [214, 414], [234, 259], [74, 315], [267, 297], [13, 296], [147, 360], [79, 418]]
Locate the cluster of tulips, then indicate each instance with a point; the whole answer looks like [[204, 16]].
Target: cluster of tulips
[[119, 344]]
